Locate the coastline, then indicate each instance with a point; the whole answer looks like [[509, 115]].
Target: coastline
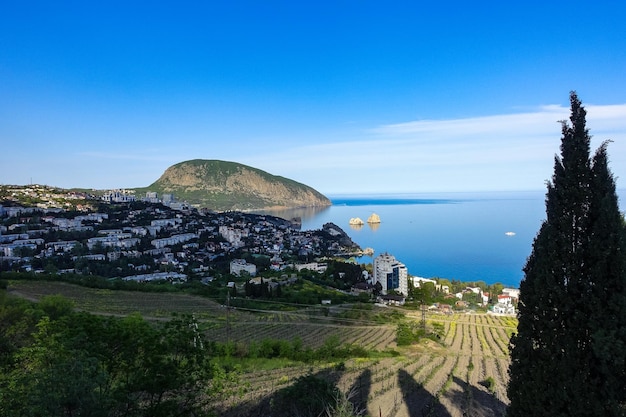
[[441, 235], [457, 236]]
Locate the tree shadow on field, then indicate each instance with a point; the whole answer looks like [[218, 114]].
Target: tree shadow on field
[[359, 391], [419, 402], [481, 402], [306, 397]]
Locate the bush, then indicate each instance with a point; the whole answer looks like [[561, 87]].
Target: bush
[[490, 383], [56, 306], [408, 333]]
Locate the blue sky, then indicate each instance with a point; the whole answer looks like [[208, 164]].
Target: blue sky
[[344, 96]]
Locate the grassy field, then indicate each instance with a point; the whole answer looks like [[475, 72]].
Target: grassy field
[[465, 373], [220, 324], [102, 301]]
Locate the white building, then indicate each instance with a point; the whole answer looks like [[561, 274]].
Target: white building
[[391, 273], [65, 246], [504, 309], [173, 240], [9, 249], [234, 236], [504, 299], [64, 224], [22, 242], [96, 217], [157, 276], [123, 240], [166, 222], [18, 211], [505, 305], [312, 266], [13, 237], [152, 197], [111, 232], [237, 266], [419, 281], [485, 298], [118, 196], [512, 292]]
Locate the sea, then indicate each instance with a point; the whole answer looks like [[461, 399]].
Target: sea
[[467, 237]]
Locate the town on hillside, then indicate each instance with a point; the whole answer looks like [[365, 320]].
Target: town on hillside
[[118, 236]]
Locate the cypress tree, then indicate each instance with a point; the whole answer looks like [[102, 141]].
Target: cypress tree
[[568, 356], [607, 292]]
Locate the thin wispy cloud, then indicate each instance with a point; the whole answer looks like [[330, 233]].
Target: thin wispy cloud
[[490, 152], [541, 121]]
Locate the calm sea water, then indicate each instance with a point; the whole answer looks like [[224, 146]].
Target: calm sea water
[[459, 236]]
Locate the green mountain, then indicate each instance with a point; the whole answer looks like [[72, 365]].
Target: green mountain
[[222, 185]]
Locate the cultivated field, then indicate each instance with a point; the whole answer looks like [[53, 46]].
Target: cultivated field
[[464, 374]]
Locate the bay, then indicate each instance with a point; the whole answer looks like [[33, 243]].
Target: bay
[[462, 236]]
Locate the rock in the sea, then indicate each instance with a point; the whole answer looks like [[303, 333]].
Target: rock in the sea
[[374, 218], [355, 221]]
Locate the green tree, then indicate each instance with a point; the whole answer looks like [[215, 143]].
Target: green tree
[[425, 293], [56, 306], [568, 356], [51, 379], [82, 364], [606, 312]]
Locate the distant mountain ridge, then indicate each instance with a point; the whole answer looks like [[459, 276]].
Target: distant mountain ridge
[[224, 185]]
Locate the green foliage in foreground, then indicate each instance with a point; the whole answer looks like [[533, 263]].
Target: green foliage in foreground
[[57, 362], [293, 350]]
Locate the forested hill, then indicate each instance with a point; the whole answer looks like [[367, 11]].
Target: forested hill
[[223, 185]]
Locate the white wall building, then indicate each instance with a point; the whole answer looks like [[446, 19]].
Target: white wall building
[[9, 249], [13, 237], [65, 246], [237, 266], [391, 273], [64, 224], [96, 217], [419, 281], [312, 266], [173, 240], [113, 241], [504, 299], [504, 309], [485, 298], [118, 196], [166, 222], [512, 292], [170, 276], [234, 236]]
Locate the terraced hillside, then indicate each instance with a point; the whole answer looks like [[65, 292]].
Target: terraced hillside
[[463, 374]]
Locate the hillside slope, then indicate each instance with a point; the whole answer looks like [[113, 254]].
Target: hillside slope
[[223, 185]]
